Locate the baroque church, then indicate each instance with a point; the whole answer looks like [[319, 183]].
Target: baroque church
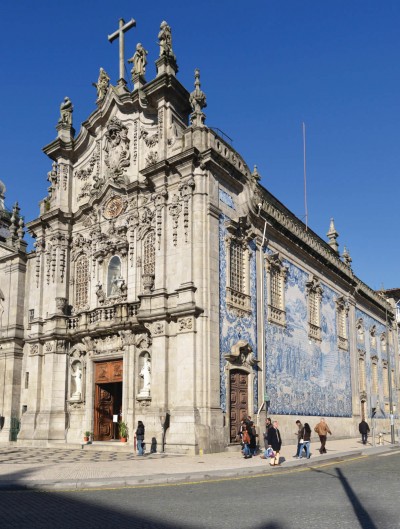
[[167, 285]]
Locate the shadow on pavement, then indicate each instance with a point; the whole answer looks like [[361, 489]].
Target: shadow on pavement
[[363, 517], [23, 508]]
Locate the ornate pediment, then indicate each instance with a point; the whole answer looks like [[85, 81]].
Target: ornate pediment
[[241, 354]]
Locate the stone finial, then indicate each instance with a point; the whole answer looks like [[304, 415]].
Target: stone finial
[[66, 109], [20, 231], [14, 220], [346, 257], [255, 174], [198, 101], [332, 236], [103, 82]]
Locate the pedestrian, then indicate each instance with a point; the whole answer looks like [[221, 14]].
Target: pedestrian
[[268, 425], [275, 442], [246, 442], [322, 430], [305, 440], [240, 432], [363, 428], [298, 435], [253, 438], [140, 438]]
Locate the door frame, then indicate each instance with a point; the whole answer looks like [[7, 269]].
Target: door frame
[[109, 380], [250, 388]]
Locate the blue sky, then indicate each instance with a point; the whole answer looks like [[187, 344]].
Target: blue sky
[[266, 66]]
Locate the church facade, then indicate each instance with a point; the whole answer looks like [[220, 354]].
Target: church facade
[[168, 285]]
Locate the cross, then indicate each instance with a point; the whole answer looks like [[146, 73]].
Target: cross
[[123, 28]]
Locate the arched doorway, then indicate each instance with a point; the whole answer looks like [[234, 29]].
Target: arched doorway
[[239, 399]]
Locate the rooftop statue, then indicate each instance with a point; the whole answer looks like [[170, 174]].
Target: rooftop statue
[[102, 84], [165, 40], [66, 109], [139, 60]]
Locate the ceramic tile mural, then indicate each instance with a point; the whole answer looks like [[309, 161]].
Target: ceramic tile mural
[[365, 343], [232, 327], [226, 198], [305, 377]]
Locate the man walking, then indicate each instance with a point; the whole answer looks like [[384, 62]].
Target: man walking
[[363, 428], [298, 434], [322, 429]]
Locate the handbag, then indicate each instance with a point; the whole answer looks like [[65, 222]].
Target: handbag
[[270, 452], [301, 441]]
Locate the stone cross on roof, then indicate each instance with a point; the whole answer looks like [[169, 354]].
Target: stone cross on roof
[[123, 28]]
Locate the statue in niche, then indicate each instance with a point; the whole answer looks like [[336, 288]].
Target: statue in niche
[[76, 374], [165, 40], [117, 150], [101, 296], [66, 109], [139, 60], [145, 373], [117, 286], [102, 84]]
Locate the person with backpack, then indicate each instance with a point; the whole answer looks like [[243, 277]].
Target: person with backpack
[[246, 442]]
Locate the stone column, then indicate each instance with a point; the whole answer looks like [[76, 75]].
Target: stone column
[[353, 352], [51, 420], [32, 394], [10, 382]]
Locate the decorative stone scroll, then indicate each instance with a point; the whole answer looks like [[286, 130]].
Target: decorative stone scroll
[[242, 354], [185, 324]]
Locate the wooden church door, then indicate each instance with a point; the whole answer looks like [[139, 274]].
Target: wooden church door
[[239, 395]]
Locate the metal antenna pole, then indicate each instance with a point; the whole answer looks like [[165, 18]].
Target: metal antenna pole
[[305, 174]]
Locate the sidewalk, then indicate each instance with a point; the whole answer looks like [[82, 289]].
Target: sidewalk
[[66, 469]]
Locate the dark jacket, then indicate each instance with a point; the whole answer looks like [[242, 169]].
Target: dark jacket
[[266, 443], [306, 436], [363, 427], [274, 439], [140, 433]]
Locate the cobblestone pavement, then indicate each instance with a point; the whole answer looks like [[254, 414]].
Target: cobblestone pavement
[[50, 455]]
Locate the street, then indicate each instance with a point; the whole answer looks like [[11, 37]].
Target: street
[[361, 492]]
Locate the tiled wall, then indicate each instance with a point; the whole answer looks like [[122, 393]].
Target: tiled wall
[[304, 377], [232, 327]]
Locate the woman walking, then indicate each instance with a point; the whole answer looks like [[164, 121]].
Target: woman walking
[[305, 440], [275, 442]]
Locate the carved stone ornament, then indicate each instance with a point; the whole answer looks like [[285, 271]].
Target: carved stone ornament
[[34, 349], [156, 328], [109, 344], [185, 324], [242, 354], [61, 304], [114, 207], [143, 341], [117, 157], [127, 337]]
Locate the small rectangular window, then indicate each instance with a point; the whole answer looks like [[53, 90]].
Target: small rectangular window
[[27, 380], [31, 315]]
